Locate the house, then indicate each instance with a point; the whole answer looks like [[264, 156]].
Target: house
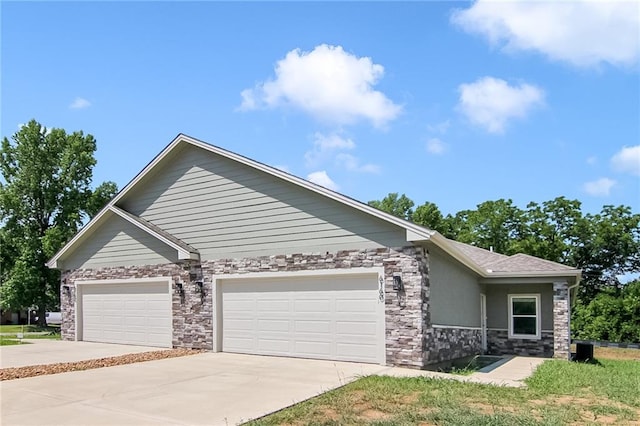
[[205, 248]]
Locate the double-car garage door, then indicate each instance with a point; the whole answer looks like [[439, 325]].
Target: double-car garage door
[[336, 317]]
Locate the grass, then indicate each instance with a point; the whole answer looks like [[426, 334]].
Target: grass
[[27, 328], [559, 392], [10, 333]]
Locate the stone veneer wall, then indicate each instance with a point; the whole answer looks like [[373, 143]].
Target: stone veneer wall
[[448, 343], [498, 343], [406, 313], [561, 318], [192, 313]]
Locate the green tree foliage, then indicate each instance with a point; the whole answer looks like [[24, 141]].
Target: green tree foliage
[[429, 216], [45, 196], [611, 315], [400, 206]]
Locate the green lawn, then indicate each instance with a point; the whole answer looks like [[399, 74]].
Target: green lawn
[[560, 392], [27, 328], [10, 333]]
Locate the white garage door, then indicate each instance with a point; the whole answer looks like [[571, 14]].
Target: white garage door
[[131, 313], [329, 317]]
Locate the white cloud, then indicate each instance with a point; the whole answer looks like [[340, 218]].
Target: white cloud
[[322, 178], [599, 188], [441, 127], [324, 146], [80, 103], [490, 102], [581, 32], [592, 160], [435, 146], [627, 160], [352, 164], [329, 84]]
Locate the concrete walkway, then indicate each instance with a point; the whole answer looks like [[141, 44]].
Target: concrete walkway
[[510, 373]]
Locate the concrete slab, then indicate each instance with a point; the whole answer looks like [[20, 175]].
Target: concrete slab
[[205, 389], [44, 351]]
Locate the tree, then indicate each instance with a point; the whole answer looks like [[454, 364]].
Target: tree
[[493, 225], [429, 216], [398, 206], [45, 196], [550, 231], [609, 316], [607, 246]]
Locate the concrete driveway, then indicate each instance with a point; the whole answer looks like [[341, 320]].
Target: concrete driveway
[[43, 351], [204, 389]]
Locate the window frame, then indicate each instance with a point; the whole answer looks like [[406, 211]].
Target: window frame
[[535, 336]]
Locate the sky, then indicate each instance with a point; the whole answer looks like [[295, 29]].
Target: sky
[[454, 103]]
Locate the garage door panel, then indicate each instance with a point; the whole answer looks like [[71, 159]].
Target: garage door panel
[[362, 328], [313, 326], [313, 349], [136, 313], [273, 305], [274, 346], [329, 317], [274, 325], [317, 305]]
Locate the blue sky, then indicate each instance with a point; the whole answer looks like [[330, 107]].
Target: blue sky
[[450, 102]]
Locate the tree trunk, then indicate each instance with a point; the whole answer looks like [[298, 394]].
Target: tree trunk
[[42, 319]]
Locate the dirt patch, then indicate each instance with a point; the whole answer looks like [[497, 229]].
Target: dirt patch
[[616, 353], [64, 367], [372, 415]]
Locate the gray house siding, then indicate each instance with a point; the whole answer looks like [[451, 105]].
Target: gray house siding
[[498, 320], [498, 303], [455, 292], [119, 243], [226, 209]]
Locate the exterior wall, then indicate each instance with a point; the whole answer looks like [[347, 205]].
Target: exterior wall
[[561, 318], [498, 343], [446, 344], [229, 210], [406, 314], [119, 243], [455, 292], [192, 313], [498, 303]]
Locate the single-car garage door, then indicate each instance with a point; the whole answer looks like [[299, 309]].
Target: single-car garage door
[[136, 313], [324, 317]]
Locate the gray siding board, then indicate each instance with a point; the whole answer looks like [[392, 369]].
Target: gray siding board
[[221, 208], [498, 303], [119, 243], [455, 292]]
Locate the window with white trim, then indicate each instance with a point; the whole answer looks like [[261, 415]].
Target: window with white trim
[[524, 316]]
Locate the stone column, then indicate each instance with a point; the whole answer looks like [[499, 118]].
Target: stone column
[[561, 318]]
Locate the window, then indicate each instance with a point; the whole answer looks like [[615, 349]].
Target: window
[[524, 316]]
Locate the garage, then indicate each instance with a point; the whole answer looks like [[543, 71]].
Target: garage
[[334, 317], [134, 312]]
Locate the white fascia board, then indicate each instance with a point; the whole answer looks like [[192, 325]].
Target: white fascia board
[[182, 253], [533, 274], [444, 244], [53, 262]]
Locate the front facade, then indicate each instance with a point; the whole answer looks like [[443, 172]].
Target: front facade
[[208, 249]]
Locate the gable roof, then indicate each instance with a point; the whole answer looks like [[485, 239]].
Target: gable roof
[[474, 258]]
